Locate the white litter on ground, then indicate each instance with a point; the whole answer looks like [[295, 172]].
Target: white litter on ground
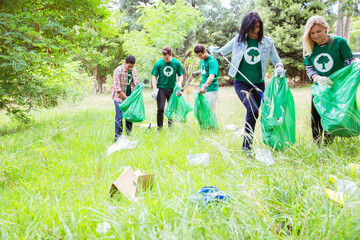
[[264, 155], [121, 143], [200, 158], [103, 227]]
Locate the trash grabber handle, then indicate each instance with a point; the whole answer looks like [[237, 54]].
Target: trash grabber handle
[[253, 85], [187, 82], [151, 119]]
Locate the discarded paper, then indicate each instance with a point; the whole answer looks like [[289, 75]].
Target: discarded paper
[[129, 181]]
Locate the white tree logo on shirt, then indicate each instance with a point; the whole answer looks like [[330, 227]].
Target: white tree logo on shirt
[[252, 55], [202, 68], [168, 71], [323, 62]]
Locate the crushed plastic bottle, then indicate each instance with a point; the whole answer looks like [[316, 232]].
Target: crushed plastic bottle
[[343, 186], [121, 143], [335, 196], [210, 194], [264, 155], [200, 158], [103, 227]]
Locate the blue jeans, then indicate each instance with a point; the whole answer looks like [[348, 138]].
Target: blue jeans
[[251, 100], [119, 122]]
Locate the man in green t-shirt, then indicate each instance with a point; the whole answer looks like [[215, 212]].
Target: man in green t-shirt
[[209, 69], [163, 80]]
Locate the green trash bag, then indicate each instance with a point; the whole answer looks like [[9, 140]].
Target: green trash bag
[[133, 108], [203, 112], [278, 115], [337, 105], [178, 107]]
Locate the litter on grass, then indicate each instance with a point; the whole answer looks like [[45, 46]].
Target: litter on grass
[[344, 186], [232, 127], [210, 194], [335, 196], [121, 143], [129, 181], [200, 158], [353, 167], [264, 155], [343, 189], [103, 227]]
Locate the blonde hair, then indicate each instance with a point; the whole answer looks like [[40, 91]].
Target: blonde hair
[[307, 42]]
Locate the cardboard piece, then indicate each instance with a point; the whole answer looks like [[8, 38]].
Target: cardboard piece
[[129, 182]]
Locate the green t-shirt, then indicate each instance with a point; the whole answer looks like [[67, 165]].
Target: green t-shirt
[[128, 85], [209, 66], [329, 57], [166, 73], [250, 64]]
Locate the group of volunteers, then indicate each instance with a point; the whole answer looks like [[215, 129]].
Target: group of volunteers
[[251, 51]]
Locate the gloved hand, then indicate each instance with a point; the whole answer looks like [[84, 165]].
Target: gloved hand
[[279, 72], [214, 51], [155, 93], [323, 81], [203, 88]]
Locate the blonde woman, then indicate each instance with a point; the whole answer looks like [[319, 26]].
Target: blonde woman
[[323, 55]]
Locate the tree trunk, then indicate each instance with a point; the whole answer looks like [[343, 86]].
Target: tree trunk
[[340, 21], [95, 71], [348, 27]]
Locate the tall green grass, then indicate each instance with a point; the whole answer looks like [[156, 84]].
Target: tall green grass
[[55, 178]]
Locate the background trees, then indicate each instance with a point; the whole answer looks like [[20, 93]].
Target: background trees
[[41, 42]]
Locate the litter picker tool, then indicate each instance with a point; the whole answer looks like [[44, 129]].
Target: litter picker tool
[[253, 85], [183, 88], [151, 119]]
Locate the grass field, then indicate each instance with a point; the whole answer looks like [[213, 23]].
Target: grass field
[[55, 178]]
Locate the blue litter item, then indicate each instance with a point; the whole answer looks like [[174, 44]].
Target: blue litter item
[[210, 194]]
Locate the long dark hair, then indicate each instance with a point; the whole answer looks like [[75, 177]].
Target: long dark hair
[[248, 23]]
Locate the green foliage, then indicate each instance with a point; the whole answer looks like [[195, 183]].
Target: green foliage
[[99, 47], [162, 25], [35, 35], [284, 22], [355, 35]]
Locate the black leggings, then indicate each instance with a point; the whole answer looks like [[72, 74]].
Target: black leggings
[[316, 127]]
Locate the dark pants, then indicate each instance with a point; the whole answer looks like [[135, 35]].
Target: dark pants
[[251, 100], [316, 127], [119, 122], [163, 95]]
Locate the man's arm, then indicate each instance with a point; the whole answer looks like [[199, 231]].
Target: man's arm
[[121, 94], [207, 83], [154, 81], [180, 80]]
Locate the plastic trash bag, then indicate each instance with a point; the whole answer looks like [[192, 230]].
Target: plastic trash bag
[[203, 112], [133, 108], [264, 155], [337, 105], [200, 158], [121, 143], [210, 194], [278, 115], [178, 107]]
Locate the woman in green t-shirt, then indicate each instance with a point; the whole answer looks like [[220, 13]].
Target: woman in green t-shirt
[[251, 51], [323, 55]]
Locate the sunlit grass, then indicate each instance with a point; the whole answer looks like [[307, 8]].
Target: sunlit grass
[[55, 178]]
